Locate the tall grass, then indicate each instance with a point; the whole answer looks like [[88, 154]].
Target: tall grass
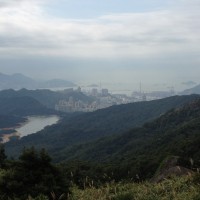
[[184, 188], [175, 188]]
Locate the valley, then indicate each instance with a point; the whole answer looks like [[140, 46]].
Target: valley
[[128, 142]]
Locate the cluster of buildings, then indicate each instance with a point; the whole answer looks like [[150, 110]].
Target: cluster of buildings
[[71, 105], [103, 99]]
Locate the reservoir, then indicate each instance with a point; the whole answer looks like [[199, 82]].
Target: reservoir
[[35, 124]]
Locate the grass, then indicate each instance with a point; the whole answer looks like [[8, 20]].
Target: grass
[[175, 188], [184, 188]]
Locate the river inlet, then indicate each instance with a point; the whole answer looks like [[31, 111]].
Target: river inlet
[[35, 124]]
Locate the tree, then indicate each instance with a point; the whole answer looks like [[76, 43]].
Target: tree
[[33, 174], [2, 156]]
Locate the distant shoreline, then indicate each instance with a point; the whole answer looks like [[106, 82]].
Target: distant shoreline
[[7, 137]]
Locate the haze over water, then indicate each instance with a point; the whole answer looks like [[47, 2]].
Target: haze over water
[[121, 42]]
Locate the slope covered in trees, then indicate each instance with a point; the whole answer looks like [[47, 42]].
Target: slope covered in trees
[[10, 121], [91, 126], [134, 155], [17, 104], [33, 177], [23, 106], [141, 150], [46, 97], [14, 110]]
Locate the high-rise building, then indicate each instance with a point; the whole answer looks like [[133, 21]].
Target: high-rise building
[[94, 92], [104, 92], [71, 101]]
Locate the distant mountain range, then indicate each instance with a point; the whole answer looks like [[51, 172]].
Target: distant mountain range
[[194, 90], [46, 97], [19, 81]]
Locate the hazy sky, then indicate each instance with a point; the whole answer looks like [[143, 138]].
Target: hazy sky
[[88, 41]]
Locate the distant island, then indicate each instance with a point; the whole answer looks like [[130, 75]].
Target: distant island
[[19, 81]]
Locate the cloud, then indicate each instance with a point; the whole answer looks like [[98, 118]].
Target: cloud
[[4, 3], [14, 3], [26, 29]]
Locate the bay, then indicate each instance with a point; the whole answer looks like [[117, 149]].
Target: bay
[[35, 124]]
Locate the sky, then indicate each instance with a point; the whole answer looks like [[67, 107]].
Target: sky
[[114, 42]]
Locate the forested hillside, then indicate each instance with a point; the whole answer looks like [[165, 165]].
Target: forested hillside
[[10, 121], [91, 126], [134, 156], [23, 106], [165, 146], [33, 177], [141, 150], [22, 103], [46, 97], [14, 110]]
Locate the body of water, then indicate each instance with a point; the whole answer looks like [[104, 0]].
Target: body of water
[[35, 124]]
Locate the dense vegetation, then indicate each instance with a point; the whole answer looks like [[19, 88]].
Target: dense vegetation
[[15, 109], [96, 167], [34, 177], [141, 150], [10, 121], [185, 188], [82, 128], [47, 98], [22, 106], [32, 174], [13, 112]]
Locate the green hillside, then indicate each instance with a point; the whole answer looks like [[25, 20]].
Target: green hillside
[[14, 110], [46, 97], [22, 106], [135, 165], [10, 121], [141, 150], [91, 126], [34, 177]]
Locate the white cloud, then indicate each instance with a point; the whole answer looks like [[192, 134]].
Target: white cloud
[[26, 29]]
